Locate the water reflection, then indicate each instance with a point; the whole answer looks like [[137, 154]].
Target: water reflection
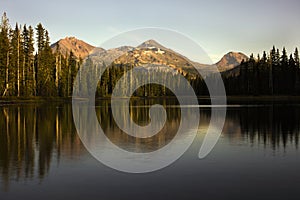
[[273, 126], [34, 136], [139, 112]]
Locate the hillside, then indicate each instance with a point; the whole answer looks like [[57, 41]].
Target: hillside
[[157, 56], [79, 48], [231, 60], [147, 52]]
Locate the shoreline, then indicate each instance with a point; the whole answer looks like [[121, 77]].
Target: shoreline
[[202, 99]]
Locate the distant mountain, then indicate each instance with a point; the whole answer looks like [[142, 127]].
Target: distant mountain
[[227, 62], [149, 51], [231, 60], [156, 56], [154, 44], [79, 48], [100, 55], [151, 44]]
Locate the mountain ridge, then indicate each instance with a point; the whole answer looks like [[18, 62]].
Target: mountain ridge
[[81, 49]]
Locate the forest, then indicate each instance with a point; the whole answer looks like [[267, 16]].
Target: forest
[[29, 72], [274, 73], [29, 68]]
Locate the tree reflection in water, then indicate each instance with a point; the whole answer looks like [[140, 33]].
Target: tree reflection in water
[[33, 136]]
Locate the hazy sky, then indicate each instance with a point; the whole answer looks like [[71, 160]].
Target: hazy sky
[[218, 26]]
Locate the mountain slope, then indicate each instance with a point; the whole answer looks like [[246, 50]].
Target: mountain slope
[[231, 60], [156, 56], [149, 51], [100, 55], [227, 62], [151, 44], [79, 48]]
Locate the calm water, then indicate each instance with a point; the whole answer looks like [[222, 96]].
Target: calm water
[[257, 157]]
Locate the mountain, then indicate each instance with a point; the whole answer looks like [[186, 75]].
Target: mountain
[[149, 51], [100, 55], [227, 62], [157, 57], [231, 60], [79, 48], [154, 44], [151, 44]]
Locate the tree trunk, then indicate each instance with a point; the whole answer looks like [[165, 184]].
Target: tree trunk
[[56, 73], [271, 79], [18, 65], [34, 79], [24, 89], [6, 75]]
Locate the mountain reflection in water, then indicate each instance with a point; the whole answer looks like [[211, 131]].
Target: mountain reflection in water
[[35, 135]]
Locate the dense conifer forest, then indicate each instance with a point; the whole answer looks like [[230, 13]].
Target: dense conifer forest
[[29, 68]]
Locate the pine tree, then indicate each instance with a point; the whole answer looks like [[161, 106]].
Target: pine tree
[[291, 62], [45, 64], [31, 67], [40, 38], [297, 73], [264, 57], [296, 57], [4, 55], [72, 71], [58, 70], [48, 60], [284, 80], [284, 58], [16, 60], [273, 55], [270, 75], [25, 36]]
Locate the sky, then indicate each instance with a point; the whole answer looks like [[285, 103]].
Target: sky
[[218, 26]]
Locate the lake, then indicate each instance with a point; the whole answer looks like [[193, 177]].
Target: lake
[[257, 156]]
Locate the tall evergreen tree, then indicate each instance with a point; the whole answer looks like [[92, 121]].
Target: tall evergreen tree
[[16, 59], [4, 55], [284, 57], [28, 64], [296, 57], [264, 57], [58, 69], [40, 38], [31, 66], [49, 67]]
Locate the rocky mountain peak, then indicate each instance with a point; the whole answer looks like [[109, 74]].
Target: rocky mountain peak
[[79, 48], [151, 44], [231, 60]]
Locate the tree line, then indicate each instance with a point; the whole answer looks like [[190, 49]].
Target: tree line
[[274, 73], [29, 67], [129, 76]]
